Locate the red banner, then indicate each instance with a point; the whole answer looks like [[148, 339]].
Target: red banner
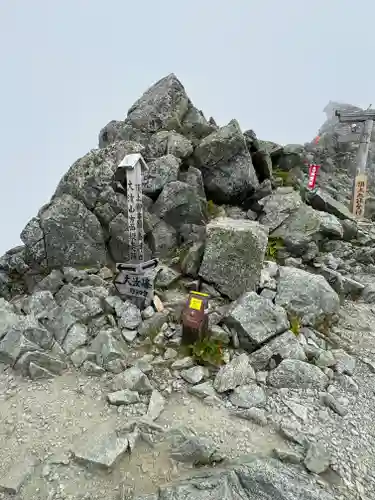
[[313, 172]]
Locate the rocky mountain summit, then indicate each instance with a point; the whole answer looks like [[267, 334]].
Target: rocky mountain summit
[[100, 399]]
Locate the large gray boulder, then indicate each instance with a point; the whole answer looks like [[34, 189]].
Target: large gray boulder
[[306, 225], [286, 346], [120, 131], [8, 317], [278, 206], [162, 107], [226, 165], [255, 320], [307, 296], [169, 142], [160, 172], [91, 174], [321, 200], [65, 234], [234, 255], [296, 374], [193, 176], [179, 204], [257, 479], [237, 372]]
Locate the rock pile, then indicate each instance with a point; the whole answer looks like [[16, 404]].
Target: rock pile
[[225, 212]]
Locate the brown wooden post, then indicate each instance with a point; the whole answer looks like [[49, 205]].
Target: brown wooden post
[[360, 182]]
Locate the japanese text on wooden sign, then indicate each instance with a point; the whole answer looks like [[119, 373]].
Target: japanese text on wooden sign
[[135, 214], [360, 187], [134, 284]]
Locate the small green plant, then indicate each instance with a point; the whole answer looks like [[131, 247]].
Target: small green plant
[[207, 351], [295, 324], [273, 246], [212, 209], [281, 174]]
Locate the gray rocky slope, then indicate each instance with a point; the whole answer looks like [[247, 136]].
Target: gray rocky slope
[[290, 279]]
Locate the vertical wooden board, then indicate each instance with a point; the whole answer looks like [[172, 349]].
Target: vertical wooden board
[[359, 197]]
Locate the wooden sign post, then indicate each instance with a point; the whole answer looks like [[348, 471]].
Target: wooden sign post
[[135, 279], [360, 182]]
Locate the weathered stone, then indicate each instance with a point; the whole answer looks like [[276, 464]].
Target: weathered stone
[[79, 356], [344, 363], [317, 458], [195, 126], [286, 346], [39, 303], [288, 456], [162, 107], [256, 415], [72, 234], [296, 374], [194, 374], [334, 404], [278, 207], [77, 336], [169, 142], [304, 226], [108, 348], [183, 363], [144, 363], [148, 312], [159, 173], [8, 317], [32, 330], [322, 201], [42, 359], [204, 390], [165, 277], [124, 397], [233, 255], [101, 451], [89, 179], [132, 378], [129, 316], [37, 372], [162, 239], [193, 177], [222, 335], [307, 296], [187, 447], [325, 359], [254, 479], [178, 204], [129, 335], [53, 282], [92, 369], [256, 320], [17, 474], [248, 396], [155, 405], [152, 326], [59, 321], [237, 372], [13, 345], [110, 133], [191, 262], [299, 411], [226, 165]]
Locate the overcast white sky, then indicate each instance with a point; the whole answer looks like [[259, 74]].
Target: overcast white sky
[[69, 66]]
